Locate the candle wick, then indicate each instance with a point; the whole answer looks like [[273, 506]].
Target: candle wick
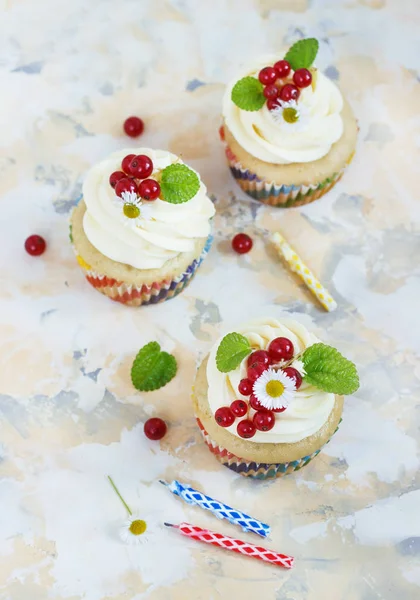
[[163, 482], [169, 525]]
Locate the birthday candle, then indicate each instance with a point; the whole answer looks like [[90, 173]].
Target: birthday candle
[[298, 266], [228, 543], [220, 510]]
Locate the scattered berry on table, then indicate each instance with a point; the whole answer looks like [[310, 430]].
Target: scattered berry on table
[[35, 245], [133, 126], [155, 428], [242, 243]]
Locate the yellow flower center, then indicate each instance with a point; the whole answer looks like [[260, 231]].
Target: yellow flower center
[[290, 115], [274, 388], [138, 527], [131, 211]]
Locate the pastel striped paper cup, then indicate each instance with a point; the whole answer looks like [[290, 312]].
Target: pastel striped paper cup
[[133, 295], [254, 469], [273, 194]]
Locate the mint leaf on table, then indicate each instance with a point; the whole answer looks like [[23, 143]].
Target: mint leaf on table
[[233, 348], [179, 183], [328, 370], [302, 54], [152, 368], [247, 94]]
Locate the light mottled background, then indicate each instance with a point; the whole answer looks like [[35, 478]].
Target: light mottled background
[[70, 73]]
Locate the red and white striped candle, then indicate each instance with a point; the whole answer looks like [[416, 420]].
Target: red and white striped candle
[[228, 543]]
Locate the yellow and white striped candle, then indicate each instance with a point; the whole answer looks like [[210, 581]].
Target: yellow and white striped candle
[[298, 266]]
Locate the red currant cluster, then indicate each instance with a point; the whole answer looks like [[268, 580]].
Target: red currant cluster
[[277, 82], [134, 177], [279, 350]]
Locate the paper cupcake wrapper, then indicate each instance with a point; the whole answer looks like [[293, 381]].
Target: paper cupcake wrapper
[[134, 295], [274, 194], [252, 469]]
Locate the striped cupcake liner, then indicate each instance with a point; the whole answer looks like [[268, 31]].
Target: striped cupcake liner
[[134, 295], [254, 469], [273, 194]]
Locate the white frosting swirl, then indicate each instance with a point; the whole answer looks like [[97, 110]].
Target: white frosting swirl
[[274, 141], [172, 229], [310, 407]]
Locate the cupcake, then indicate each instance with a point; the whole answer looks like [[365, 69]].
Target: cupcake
[[288, 131], [269, 396], [142, 227]]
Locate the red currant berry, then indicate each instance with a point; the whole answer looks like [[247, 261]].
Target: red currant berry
[[141, 166], [126, 161], [115, 177], [239, 408], [224, 416], [255, 403], [255, 370], [302, 78], [272, 104], [149, 189], [242, 243], [245, 387], [271, 92], [289, 92], [293, 374], [279, 410], [155, 428], [35, 245], [283, 68], [281, 349], [267, 75], [246, 429], [125, 185], [264, 420], [259, 356], [133, 126]]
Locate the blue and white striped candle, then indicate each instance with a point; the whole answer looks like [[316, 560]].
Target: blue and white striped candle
[[220, 510]]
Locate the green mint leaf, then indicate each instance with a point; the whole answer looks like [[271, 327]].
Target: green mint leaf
[[329, 371], [247, 93], [302, 54], [233, 348], [152, 369], [179, 183]]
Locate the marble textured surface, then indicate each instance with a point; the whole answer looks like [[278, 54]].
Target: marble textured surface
[[70, 73]]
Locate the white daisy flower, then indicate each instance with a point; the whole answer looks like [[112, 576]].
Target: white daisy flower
[[274, 389], [135, 530], [135, 211], [290, 115]]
